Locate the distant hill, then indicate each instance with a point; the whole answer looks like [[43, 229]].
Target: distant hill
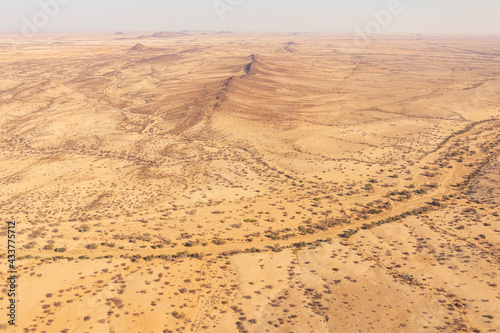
[[140, 47], [165, 34]]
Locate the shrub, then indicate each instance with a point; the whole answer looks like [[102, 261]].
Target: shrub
[[178, 315], [48, 247], [84, 228], [219, 241], [30, 245]]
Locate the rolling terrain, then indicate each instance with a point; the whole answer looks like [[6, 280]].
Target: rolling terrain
[[220, 182]]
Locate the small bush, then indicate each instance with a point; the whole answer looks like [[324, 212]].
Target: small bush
[[92, 246]]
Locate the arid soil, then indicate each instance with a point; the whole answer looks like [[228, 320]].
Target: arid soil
[[219, 182]]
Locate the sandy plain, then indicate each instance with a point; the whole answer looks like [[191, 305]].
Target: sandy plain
[[220, 182]]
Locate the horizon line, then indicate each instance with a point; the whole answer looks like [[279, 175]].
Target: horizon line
[[240, 31]]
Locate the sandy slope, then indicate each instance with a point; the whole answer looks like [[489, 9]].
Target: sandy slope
[[201, 182]]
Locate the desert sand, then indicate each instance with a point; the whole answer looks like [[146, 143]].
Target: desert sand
[[224, 182]]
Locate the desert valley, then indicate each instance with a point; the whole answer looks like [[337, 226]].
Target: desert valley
[[225, 182]]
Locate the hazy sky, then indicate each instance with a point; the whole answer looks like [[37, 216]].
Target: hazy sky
[[440, 16]]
